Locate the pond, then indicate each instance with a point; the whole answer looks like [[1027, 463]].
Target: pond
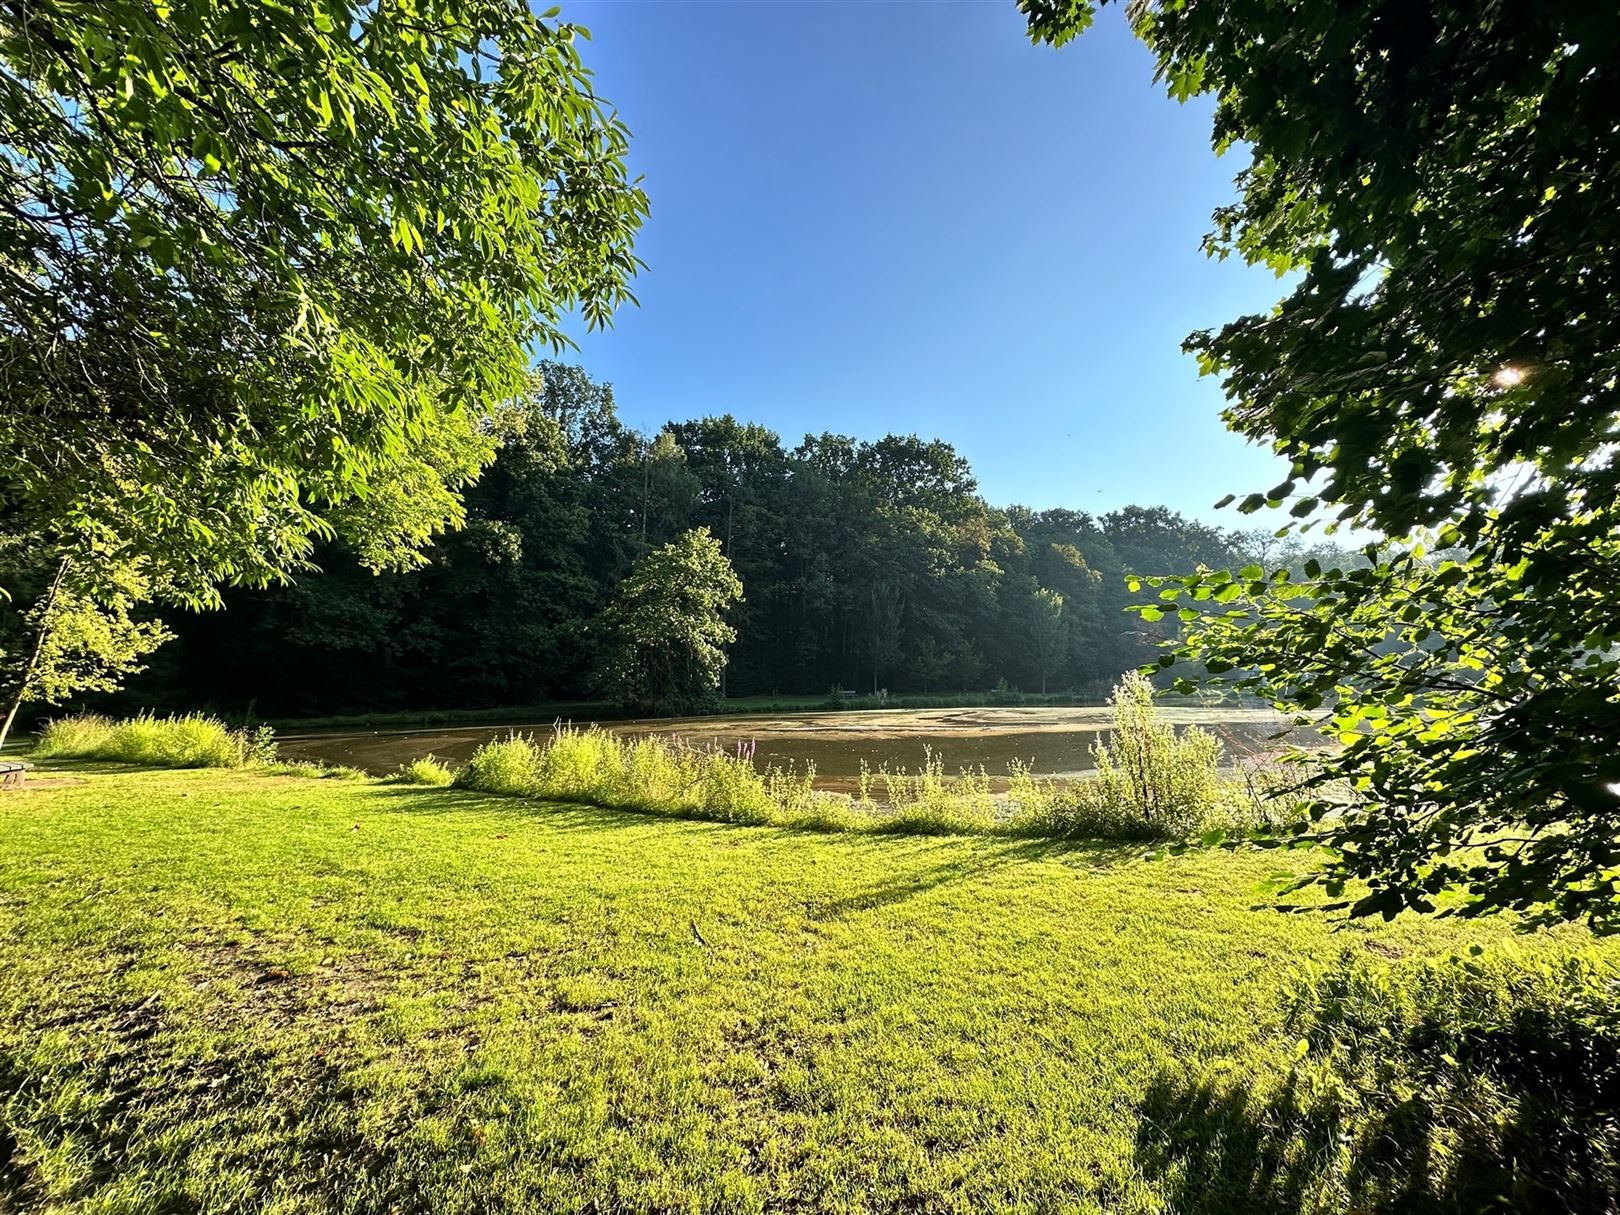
[[1054, 741]]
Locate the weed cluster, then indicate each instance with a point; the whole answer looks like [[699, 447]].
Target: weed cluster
[[192, 740], [657, 774], [424, 771], [929, 802]]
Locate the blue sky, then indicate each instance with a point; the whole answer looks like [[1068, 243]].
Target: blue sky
[[874, 217]]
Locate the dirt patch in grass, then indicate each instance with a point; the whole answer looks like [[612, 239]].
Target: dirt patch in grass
[[257, 984]]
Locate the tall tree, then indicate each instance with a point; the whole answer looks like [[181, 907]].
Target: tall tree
[[1048, 631], [885, 604], [1443, 180], [266, 268], [664, 635]]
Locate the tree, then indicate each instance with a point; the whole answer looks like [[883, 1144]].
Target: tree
[[1048, 631], [1441, 178], [665, 631], [71, 640], [265, 270], [885, 606]]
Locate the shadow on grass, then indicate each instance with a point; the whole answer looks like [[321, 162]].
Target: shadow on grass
[[1216, 1148], [122, 1096], [921, 863], [1088, 853], [54, 767], [963, 866]]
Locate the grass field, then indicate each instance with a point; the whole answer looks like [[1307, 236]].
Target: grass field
[[230, 992]]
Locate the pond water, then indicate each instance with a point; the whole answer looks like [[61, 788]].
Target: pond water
[[1054, 741]]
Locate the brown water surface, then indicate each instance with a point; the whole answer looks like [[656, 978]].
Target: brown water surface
[[1054, 741]]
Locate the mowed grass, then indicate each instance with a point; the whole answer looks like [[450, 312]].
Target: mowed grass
[[234, 992]]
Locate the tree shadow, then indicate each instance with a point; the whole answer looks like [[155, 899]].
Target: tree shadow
[[561, 816], [581, 816], [1217, 1150], [963, 867], [1226, 1148]]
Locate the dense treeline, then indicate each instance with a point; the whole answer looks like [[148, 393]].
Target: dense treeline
[[863, 565]]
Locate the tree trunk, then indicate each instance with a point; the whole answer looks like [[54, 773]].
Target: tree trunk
[[42, 631]]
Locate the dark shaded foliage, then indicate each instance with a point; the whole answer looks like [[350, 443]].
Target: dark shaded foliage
[[864, 565], [1440, 1089]]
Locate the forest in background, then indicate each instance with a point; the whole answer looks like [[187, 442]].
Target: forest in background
[[864, 565]]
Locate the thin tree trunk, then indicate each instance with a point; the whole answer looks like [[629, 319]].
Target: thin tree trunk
[[646, 487], [41, 632]]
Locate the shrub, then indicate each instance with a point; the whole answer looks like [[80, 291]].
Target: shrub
[[1153, 784], [929, 804], [1150, 777], [509, 766], [423, 771], [193, 740], [1073, 809]]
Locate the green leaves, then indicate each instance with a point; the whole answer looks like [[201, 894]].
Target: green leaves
[[1444, 372], [294, 244], [1055, 22], [665, 631]]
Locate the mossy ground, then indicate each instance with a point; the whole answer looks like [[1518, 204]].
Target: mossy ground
[[224, 991]]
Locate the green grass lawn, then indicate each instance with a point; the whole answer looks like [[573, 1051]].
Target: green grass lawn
[[229, 992]]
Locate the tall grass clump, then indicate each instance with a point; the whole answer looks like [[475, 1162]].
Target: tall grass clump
[[509, 767], [423, 771], [927, 802], [191, 740], [662, 775], [77, 737], [1150, 782]]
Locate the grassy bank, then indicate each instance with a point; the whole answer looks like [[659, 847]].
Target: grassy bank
[[1151, 782], [237, 992], [659, 775]]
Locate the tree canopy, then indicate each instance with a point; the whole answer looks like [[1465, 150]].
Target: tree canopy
[[267, 269], [1442, 181], [267, 266], [832, 556], [665, 631]]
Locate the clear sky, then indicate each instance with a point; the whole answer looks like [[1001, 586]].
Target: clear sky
[[874, 217]]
